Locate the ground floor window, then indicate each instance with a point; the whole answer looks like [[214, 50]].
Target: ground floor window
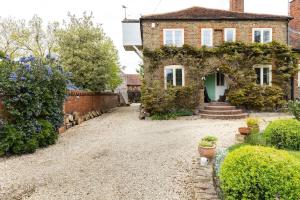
[[263, 74], [174, 75]]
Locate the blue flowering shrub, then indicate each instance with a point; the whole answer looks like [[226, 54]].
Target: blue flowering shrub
[[33, 92]]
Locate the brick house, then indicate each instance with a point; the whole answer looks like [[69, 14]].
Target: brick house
[[198, 26], [294, 34]]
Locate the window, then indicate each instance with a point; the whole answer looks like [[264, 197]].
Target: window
[[263, 74], [174, 37], [229, 34], [174, 75], [220, 79], [262, 35], [207, 37]]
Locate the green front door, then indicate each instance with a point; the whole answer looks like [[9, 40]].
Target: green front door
[[210, 84]]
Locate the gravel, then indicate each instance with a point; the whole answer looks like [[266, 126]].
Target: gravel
[[115, 156]]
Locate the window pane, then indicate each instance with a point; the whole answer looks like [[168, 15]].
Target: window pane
[[257, 36], [178, 38], [169, 76], [169, 38], [267, 36], [220, 79], [206, 38], [257, 71], [229, 35], [266, 76], [178, 77]]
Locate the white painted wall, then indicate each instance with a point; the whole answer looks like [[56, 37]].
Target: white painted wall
[[131, 33]]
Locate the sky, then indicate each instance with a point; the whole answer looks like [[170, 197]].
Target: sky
[[110, 13]]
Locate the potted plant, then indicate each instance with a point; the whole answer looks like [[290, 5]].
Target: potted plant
[[253, 124], [207, 147], [244, 130]]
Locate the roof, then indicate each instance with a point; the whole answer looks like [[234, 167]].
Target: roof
[[133, 79], [200, 13]]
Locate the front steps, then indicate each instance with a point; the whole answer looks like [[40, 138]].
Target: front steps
[[220, 110]]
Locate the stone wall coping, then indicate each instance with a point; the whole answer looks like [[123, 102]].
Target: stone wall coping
[[86, 93]]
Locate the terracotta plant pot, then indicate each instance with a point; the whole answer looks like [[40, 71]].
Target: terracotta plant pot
[[245, 131], [208, 152]]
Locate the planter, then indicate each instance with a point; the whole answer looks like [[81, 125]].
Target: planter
[[245, 131], [208, 152]]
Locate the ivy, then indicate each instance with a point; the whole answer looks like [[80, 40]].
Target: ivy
[[235, 60]]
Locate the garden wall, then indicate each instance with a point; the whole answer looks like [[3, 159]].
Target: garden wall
[[85, 102]]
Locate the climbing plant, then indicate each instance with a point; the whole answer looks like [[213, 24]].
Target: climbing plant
[[235, 60]]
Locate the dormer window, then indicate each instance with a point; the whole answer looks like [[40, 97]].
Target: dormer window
[[174, 37], [262, 35], [207, 37]]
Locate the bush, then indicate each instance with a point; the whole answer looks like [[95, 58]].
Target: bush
[[284, 133], [33, 92], [178, 100], [294, 108], [262, 98], [252, 172]]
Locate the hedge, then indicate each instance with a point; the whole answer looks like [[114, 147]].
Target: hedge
[[284, 133], [253, 172]]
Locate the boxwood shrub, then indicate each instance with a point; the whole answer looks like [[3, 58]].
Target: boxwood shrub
[[284, 133], [253, 172]]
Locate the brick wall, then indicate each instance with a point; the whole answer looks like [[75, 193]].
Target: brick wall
[[153, 37], [295, 23], [85, 102]]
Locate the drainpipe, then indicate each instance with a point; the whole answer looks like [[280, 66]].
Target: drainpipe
[[138, 52]]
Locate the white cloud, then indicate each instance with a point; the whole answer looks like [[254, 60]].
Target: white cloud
[[110, 13]]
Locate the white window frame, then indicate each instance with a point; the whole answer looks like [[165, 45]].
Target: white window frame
[[211, 36], [174, 67], [234, 34], [262, 34], [173, 36], [261, 67]]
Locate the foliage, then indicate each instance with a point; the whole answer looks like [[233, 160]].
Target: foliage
[[33, 92], [171, 115], [251, 121], [284, 133], [236, 61], [21, 38], [294, 108], [256, 139], [220, 156], [89, 54], [252, 172], [208, 141], [263, 98], [181, 100]]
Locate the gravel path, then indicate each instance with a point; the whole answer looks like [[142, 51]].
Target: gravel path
[[115, 156]]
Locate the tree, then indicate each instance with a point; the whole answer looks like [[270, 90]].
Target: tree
[[20, 38], [88, 54]]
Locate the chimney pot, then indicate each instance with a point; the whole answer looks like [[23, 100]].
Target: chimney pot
[[237, 5]]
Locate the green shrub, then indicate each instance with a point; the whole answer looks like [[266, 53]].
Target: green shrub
[[178, 100], [256, 139], [262, 98], [284, 133], [33, 92], [253, 172], [294, 108], [163, 116]]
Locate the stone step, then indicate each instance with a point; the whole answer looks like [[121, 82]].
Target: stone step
[[224, 117], [219, 107], [219, 104], [222, 112]]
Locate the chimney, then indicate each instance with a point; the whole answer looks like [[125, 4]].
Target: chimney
[[294, 25], [237, 5]]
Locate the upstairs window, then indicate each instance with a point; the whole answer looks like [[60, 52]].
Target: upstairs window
[[174, 37], [174, 75], [263, 74], [229, 34], [207, 37], [262, 35]]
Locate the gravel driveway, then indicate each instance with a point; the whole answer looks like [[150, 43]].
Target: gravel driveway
[[115, 156]]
